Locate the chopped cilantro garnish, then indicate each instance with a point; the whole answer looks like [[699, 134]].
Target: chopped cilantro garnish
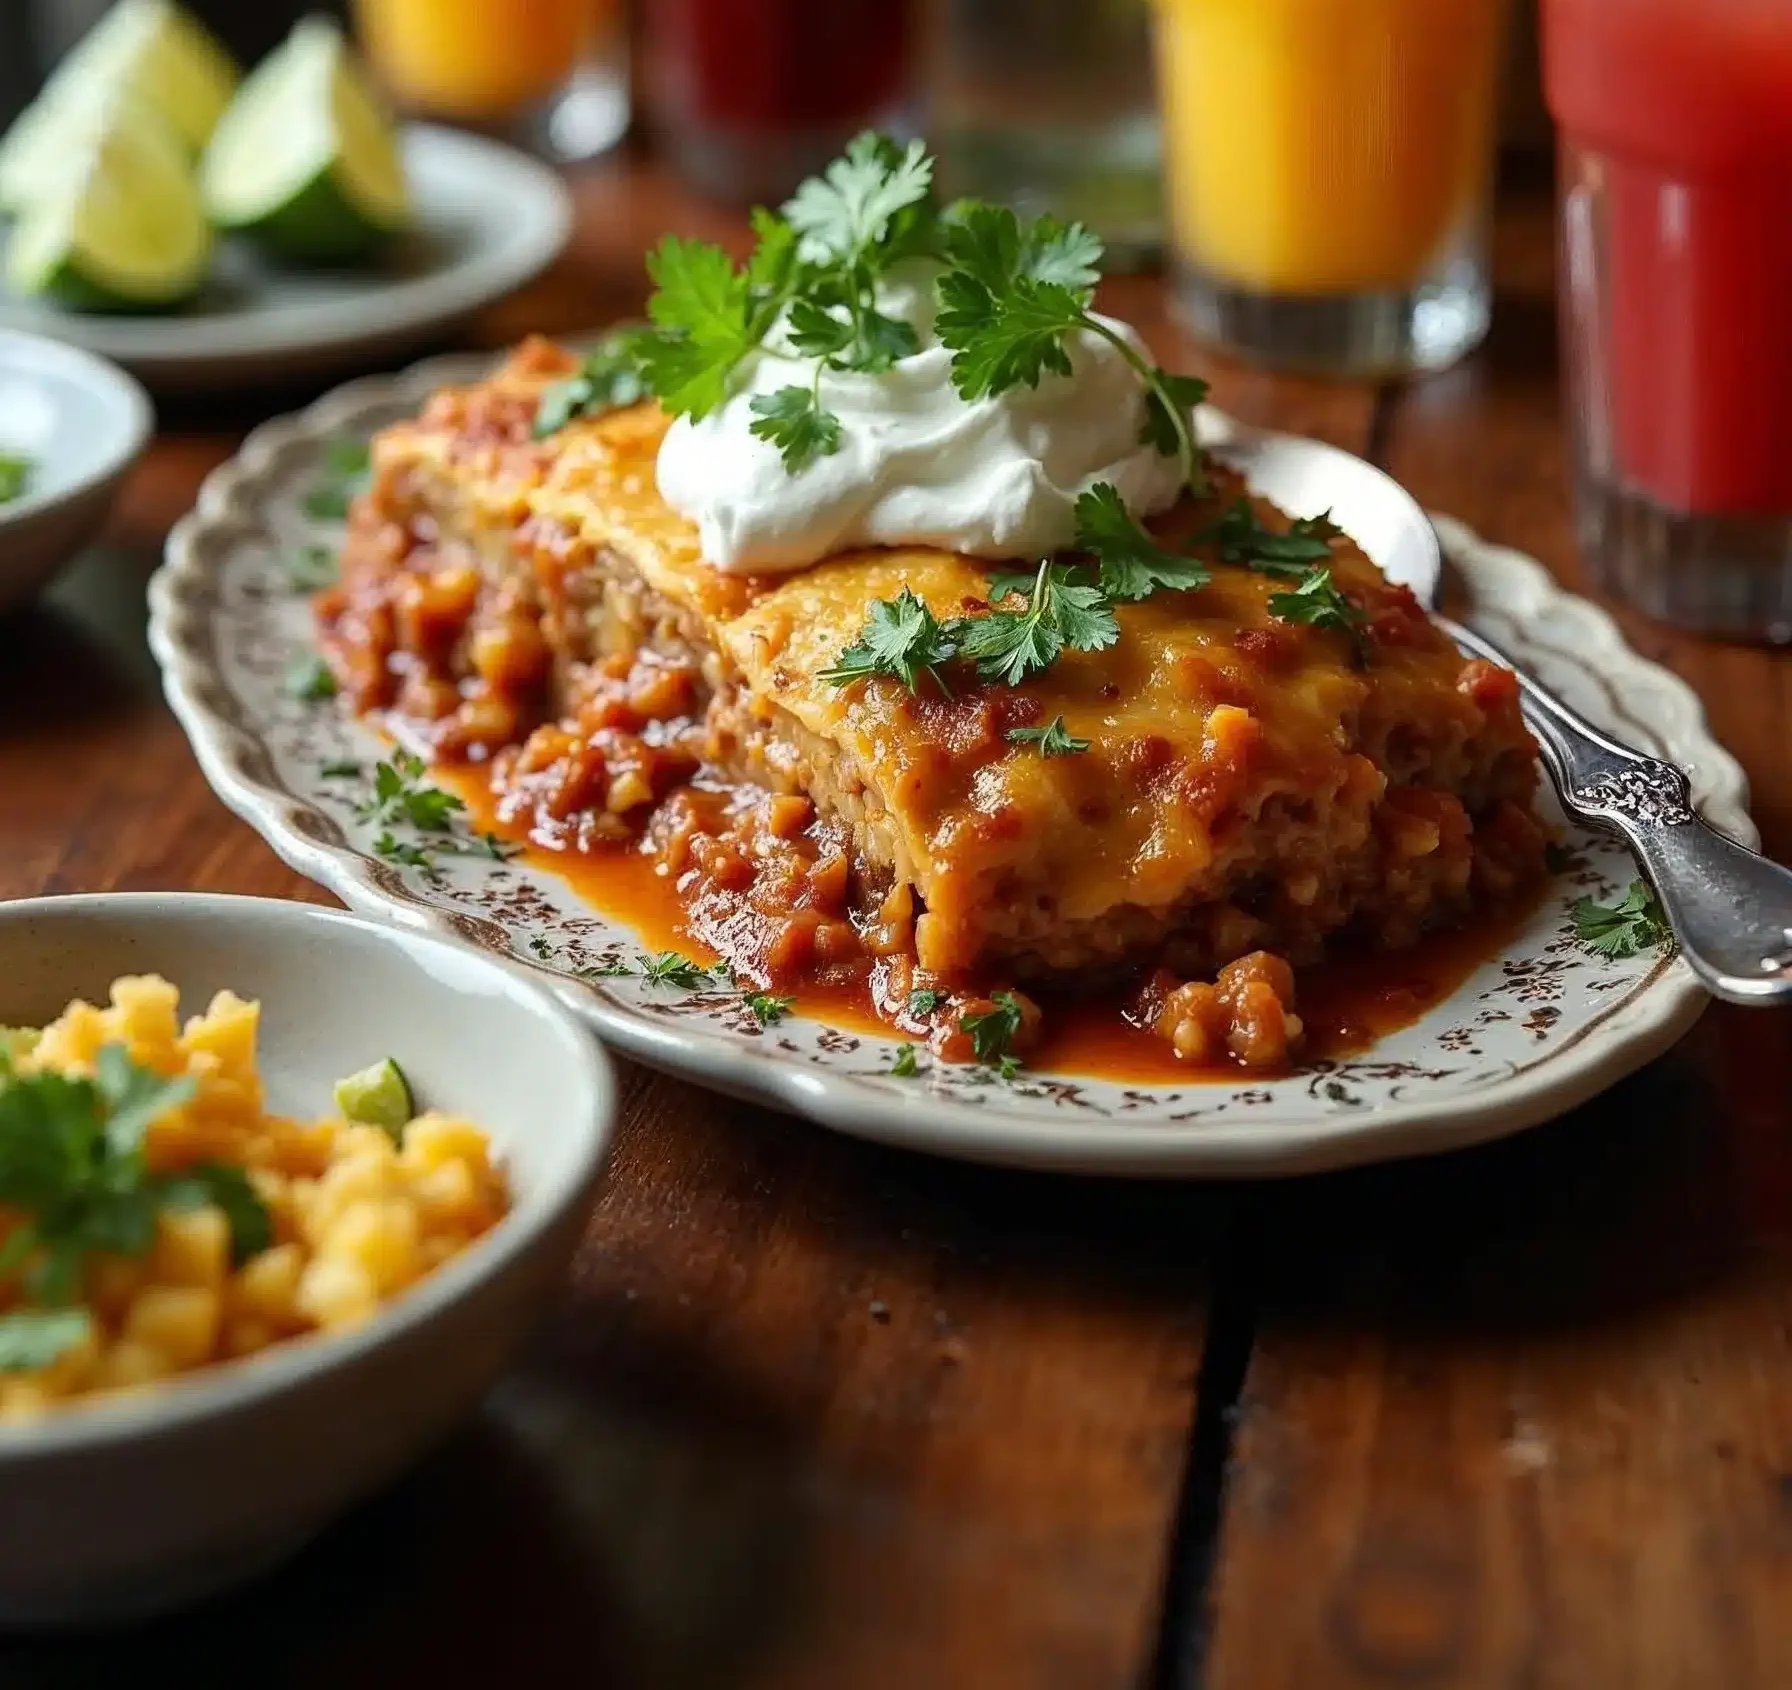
[[671, 969], [400, 794], [766, 1008], [406, 855], [346, 467], [1052, 740], [793, 420], [924, 1001], [344, 770], [609, 378], [1132, 565], [904, 1066], [311, 680], [311, 568], [1319, 603], [1241, 538], [901, 638], [992, 1032], [1635, 923], [1062, 610]]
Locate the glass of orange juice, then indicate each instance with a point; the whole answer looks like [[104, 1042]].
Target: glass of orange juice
[[1329, 166], [549, 73]]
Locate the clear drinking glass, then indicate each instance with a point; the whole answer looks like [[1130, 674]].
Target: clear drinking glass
[[1048, 105], [1330, 164], [1676, 293], [551, 75]]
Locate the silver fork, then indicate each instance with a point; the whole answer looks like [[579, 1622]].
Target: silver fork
[[1730, 908]]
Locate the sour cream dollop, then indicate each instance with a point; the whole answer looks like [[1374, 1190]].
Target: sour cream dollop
[[917, 465]]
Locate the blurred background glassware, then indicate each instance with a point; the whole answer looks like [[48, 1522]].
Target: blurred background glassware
[[750, 96], [1675, 119], [551, 75], [1048, 105], [1330, 165]]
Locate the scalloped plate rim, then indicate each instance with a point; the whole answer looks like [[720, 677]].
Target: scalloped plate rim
[[1651, 1018]]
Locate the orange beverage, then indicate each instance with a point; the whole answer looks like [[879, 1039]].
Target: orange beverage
[[1327, 149], [478, 60]]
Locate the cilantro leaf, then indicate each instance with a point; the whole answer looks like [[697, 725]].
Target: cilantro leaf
[[311, 568], [1241, 538], [989, 243], [773, 265], [924, 1001], [223, 1186], [1319, 603], [848, 211], [1007, 340], [704, 308], [610, 377], [992, 1032], [1052, 740], [903, 1066], [793, 420], [347, 464], [1614, 931], [400, 794], [1132, 565], [671, 969], [311, 680], [15, 475], [346, 769], [816, 332], [134, 1096], [34, 1338], [766, 1008], [879, 342], [1183, 393], [1009, 645], [900, 638], [406, 855]]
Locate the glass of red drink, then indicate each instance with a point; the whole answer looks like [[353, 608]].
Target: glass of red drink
[[1676, 126]]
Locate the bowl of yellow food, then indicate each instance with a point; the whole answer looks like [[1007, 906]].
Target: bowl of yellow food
[[280, 1192]]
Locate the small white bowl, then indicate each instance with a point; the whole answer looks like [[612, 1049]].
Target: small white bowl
[[133, 1504], [83, 423]]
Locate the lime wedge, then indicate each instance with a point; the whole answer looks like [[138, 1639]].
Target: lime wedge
[[379, 1096], [159, 53], [53, 136], [306, 160], [115, 226]]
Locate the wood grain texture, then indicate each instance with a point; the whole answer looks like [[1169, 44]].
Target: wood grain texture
[[1524, 1417], [810, 1414]]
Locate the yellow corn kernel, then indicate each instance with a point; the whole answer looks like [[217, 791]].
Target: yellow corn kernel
[[227, 1031], [381, 1237], [130, 1362], [24, 1399], [192, 1247], [448, 1197], [181, 1321], [335, 1292], [245, 1335], [266, 1285], [433, 1139], [112, 1281]]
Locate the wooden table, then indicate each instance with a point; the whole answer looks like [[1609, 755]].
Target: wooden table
[[815, 1414]]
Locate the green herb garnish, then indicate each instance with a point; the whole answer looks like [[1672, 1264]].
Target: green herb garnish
[[901, 638], [1240, 538], [1132, 565], [1319, 602], [766, 1008], [347, 465], [402, 852], [71, 1161], [609, 378], [1635, 923], [671, 969], [401, 795], [311, 680], [1063, 609], [311, 568], [340, 771], [1052, 740], [924, 1001], [793, 420], [992, 1032], [904, 1066]]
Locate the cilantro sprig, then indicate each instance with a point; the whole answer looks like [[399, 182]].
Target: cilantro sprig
[[609, 378], [901, 637], [1240, 537], [72, 1165], [1052, 740], [1635, 923], [992, 1032], [1319, 602]]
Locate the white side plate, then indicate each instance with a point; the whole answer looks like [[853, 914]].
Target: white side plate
[[1530, 1034]]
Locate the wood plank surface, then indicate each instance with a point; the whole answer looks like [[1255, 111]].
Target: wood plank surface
[[1523, 1417]]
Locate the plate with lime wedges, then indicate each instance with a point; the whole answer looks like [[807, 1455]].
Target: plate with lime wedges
[[206, 229]]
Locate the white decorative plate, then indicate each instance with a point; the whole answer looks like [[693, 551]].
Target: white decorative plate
[[1533, 1032], [488, 219]]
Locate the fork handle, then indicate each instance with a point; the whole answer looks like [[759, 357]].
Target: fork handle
[[1730, 908]]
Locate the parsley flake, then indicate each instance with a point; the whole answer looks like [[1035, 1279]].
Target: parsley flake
[[347, 466], [402, 795], [992, 1032], [1319, 602], [767, 1009], [610, 378], [15, 476], [924, 1001], [901, 638], [1052, 740], [403, 853], [311, 680], [1062, 610], [904, 1066], [1635, 923], [1241, 538], [671, 969], [344, 770], [1132, 565]]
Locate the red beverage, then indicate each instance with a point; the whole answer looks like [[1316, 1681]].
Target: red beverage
[[1677, 121]]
